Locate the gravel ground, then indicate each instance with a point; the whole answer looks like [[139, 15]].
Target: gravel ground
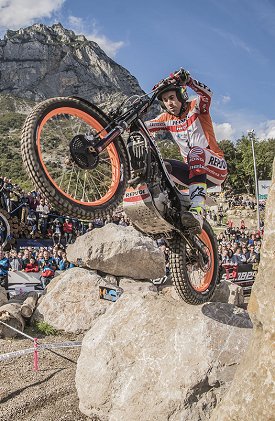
[[47, 394]]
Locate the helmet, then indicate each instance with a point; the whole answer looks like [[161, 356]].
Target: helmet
[[181, 93]]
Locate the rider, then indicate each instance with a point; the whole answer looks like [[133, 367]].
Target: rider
[[191, 127]]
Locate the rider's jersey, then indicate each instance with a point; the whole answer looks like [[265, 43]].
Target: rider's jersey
[[194, 127]]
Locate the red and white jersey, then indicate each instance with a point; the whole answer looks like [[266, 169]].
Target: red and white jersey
[[194, 127]]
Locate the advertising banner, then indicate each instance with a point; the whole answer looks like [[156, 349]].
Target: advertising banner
[[243, 275], [263, 187]]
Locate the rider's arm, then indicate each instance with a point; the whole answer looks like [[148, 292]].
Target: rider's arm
[[203, 92], [156, 124]]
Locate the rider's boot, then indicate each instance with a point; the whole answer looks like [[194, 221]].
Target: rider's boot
[[193, 218]]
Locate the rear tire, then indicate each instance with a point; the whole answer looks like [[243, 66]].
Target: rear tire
[[46, 136], [182, 269]]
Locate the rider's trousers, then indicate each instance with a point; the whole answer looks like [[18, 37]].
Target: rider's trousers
[[202, 166]]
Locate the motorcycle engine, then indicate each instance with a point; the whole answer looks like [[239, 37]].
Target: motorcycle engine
[[138, 152]]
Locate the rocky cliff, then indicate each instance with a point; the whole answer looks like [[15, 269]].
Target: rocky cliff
[[40, 62], [252, 393]]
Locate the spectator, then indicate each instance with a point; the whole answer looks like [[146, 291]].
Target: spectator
[[32, 221], [252, 257], [48, 267], [4, 267], [43, 211], [26, 258], [15, 262], [64, 264], [56, 236], [68, 231], [238, 257], [32, 266]]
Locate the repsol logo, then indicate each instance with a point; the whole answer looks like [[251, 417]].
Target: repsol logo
[[216, 162], [135, 193]]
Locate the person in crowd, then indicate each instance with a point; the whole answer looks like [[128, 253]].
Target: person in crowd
[[68, 231], [227, 257], [26, 257], [32, 221], [4, 268], [190, 124], [32, 266], [252, 256], [64, 264], [56, 236], [43, 211], [251, 240], [238, 257], [16, 263], [48, 267]]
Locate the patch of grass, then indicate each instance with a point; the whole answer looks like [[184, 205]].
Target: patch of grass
[[45, 328]]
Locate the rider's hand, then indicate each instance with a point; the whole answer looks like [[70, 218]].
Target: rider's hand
[[182, 75]]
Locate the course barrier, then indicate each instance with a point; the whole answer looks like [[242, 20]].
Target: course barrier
[[35, 348], [42, 347]]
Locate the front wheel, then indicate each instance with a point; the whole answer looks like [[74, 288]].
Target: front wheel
[[194, 280], [73, 189]]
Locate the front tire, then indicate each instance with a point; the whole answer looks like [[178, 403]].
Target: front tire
[[194, 285], [45, 146]]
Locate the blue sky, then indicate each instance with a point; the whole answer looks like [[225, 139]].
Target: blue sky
[[228, 45]]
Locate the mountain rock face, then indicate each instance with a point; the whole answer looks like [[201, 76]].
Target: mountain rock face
[[41, 62]]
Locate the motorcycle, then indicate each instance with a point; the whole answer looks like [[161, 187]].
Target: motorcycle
[[87, 162]]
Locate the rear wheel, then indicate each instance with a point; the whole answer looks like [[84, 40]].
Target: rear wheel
[[194, 279], [71, 188]]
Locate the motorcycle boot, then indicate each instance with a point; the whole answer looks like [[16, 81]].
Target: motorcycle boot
[[193, 218]]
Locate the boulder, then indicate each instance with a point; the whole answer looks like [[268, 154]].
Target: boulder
[[252, 393], [119, 251], [228, 292], [10, 314], [71, 302], [3, 296], [151, 357]]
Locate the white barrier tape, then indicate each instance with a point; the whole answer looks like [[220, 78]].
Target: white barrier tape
[[9, 355]]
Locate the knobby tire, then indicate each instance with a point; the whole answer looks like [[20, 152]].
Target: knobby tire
[[179, 269], [37, 169]]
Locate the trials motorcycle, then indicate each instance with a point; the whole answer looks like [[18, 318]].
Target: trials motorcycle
[[86, 163]]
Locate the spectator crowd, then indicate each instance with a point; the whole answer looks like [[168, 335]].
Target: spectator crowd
[[236, 245], [43, 220]]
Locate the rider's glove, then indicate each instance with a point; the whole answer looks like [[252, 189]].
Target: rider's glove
[[183, 76]]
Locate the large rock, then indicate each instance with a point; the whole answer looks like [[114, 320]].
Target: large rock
[[252, 394], [10, 315], [3, 296], [119, 251], [153, 358], [228, 292], [71, 302]]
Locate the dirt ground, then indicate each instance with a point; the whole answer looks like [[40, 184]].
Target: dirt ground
[[47, 394]]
